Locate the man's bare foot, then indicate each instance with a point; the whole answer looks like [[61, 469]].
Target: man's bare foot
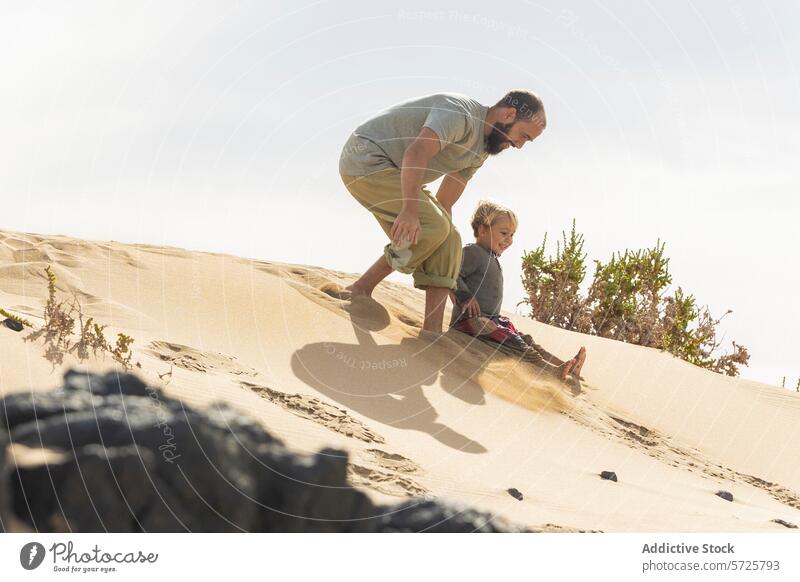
[[566, 368], [579, 358], [352, 291]]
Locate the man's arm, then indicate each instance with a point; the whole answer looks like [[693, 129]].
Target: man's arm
[[415, 162], [450, 190]]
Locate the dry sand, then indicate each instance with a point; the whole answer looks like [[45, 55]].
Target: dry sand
[[448, 419]]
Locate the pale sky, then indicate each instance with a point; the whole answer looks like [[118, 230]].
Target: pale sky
[[218, 126]]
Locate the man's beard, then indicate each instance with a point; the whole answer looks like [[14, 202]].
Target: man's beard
[[498, 137]]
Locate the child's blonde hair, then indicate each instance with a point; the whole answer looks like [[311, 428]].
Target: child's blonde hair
[[488, 212]]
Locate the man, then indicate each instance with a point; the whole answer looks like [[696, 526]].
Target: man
[[389, 158]]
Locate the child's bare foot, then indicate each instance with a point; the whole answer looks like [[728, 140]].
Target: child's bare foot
[[580, 358], [566, 368]]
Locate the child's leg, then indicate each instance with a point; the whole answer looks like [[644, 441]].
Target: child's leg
[[528, 340], [501, 333], [476, 326], [579, 358], [511, 333], [517, 344], [561, 370], [550, 358]]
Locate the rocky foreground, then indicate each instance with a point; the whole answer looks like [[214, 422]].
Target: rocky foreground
[[123, 457]]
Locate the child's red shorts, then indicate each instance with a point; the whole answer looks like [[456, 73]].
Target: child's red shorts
[[505, 332]]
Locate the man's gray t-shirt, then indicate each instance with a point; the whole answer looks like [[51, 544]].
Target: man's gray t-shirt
[[380, 142], [480, 277]]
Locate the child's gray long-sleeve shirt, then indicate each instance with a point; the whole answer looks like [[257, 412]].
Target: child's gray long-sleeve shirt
[[482, 278]]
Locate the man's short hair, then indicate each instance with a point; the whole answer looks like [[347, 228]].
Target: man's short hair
[[526, 103]]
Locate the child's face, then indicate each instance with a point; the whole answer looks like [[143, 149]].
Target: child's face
[[497, 237]]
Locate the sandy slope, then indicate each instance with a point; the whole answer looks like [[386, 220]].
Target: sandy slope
[[450, 419]]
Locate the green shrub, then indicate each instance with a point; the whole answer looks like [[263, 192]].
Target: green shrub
[[627, 300], [552, 283]]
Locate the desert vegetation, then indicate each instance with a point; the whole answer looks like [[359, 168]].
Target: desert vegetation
[[630, 298], [67, 330]]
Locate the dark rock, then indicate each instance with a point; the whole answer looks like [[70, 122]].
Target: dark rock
[[434, 517], [515, 493], [111, 383], [609, 475], [12, 324], [24, 407], [99, 489], [4, 509], [784, 523], [724, 495], [136, 460], [316, 495]]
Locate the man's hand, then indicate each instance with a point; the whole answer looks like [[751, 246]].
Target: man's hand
[[471, 308], [405, 227]]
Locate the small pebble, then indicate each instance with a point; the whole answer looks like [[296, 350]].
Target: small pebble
[[11, 324], [725, 495], [515, 493]]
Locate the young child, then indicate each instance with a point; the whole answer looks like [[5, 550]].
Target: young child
[[477, 300]]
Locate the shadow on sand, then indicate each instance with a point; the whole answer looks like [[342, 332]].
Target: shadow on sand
[[385, 382]]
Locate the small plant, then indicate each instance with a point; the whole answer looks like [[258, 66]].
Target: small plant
[[60, 319], [91, 338], [122, 351]]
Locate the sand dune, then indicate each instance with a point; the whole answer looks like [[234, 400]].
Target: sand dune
[[449, 419]]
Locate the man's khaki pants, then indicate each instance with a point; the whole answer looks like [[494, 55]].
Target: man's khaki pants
[[435, 260]]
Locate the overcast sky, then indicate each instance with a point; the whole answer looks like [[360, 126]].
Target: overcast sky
[[218, 126]]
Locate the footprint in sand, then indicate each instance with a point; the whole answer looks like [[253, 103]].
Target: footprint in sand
[[387, 473], [329, 416], [336, 291], [660, 447], [189, 358], [387, 482], [366, 307], [316, 280], [778, 492], [364, 311], [408, 320], [390, 461], [638, 433]]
